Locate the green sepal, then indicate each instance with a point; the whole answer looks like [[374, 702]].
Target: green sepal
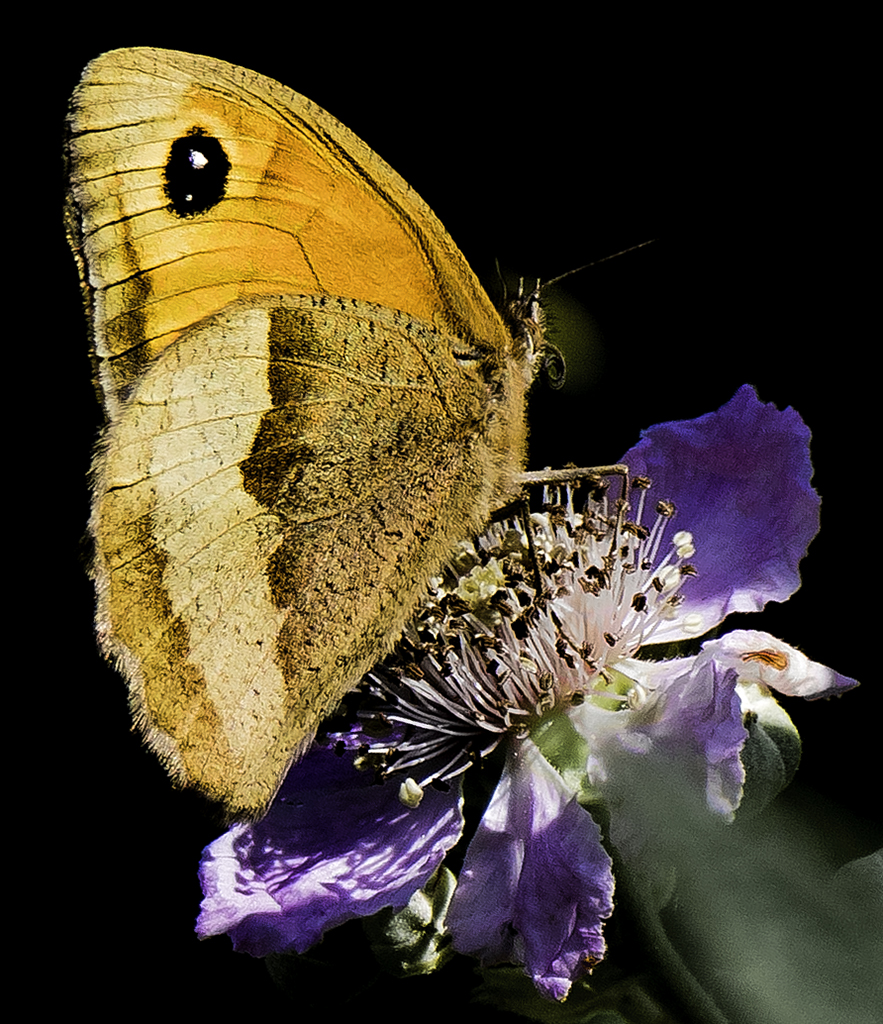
[[771, 753], [568, 753], [414, 940]]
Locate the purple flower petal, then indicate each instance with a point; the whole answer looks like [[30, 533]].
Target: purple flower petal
[[536, 885], [332, 847], [740, 480], [694, 717], [761, 658]]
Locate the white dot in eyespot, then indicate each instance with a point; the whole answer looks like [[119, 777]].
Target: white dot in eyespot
[[198, 160]]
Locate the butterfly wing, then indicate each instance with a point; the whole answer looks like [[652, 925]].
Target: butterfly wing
[[286, 461], [300, 205]]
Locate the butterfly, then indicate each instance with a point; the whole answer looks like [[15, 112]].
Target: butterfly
[[309, 400]]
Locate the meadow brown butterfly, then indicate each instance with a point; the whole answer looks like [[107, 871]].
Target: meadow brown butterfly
[[309, 400]]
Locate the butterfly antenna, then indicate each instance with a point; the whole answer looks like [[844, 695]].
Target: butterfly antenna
[[595, 263], [502, 281]]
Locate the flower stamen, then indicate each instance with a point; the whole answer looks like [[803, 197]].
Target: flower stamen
[[495, 658]]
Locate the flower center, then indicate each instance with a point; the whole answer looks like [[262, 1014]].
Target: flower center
[[488, 658]]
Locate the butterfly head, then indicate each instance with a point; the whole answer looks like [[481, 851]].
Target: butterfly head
[[523, 317]]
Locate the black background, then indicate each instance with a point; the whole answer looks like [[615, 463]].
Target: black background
[[548, 145]]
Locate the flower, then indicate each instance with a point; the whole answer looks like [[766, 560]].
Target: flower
[[554, 683]]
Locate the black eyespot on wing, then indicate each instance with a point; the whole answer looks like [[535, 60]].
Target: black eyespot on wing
[[195, 173]]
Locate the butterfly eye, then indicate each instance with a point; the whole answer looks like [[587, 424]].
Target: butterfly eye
[[195, 173], [552, 367]]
